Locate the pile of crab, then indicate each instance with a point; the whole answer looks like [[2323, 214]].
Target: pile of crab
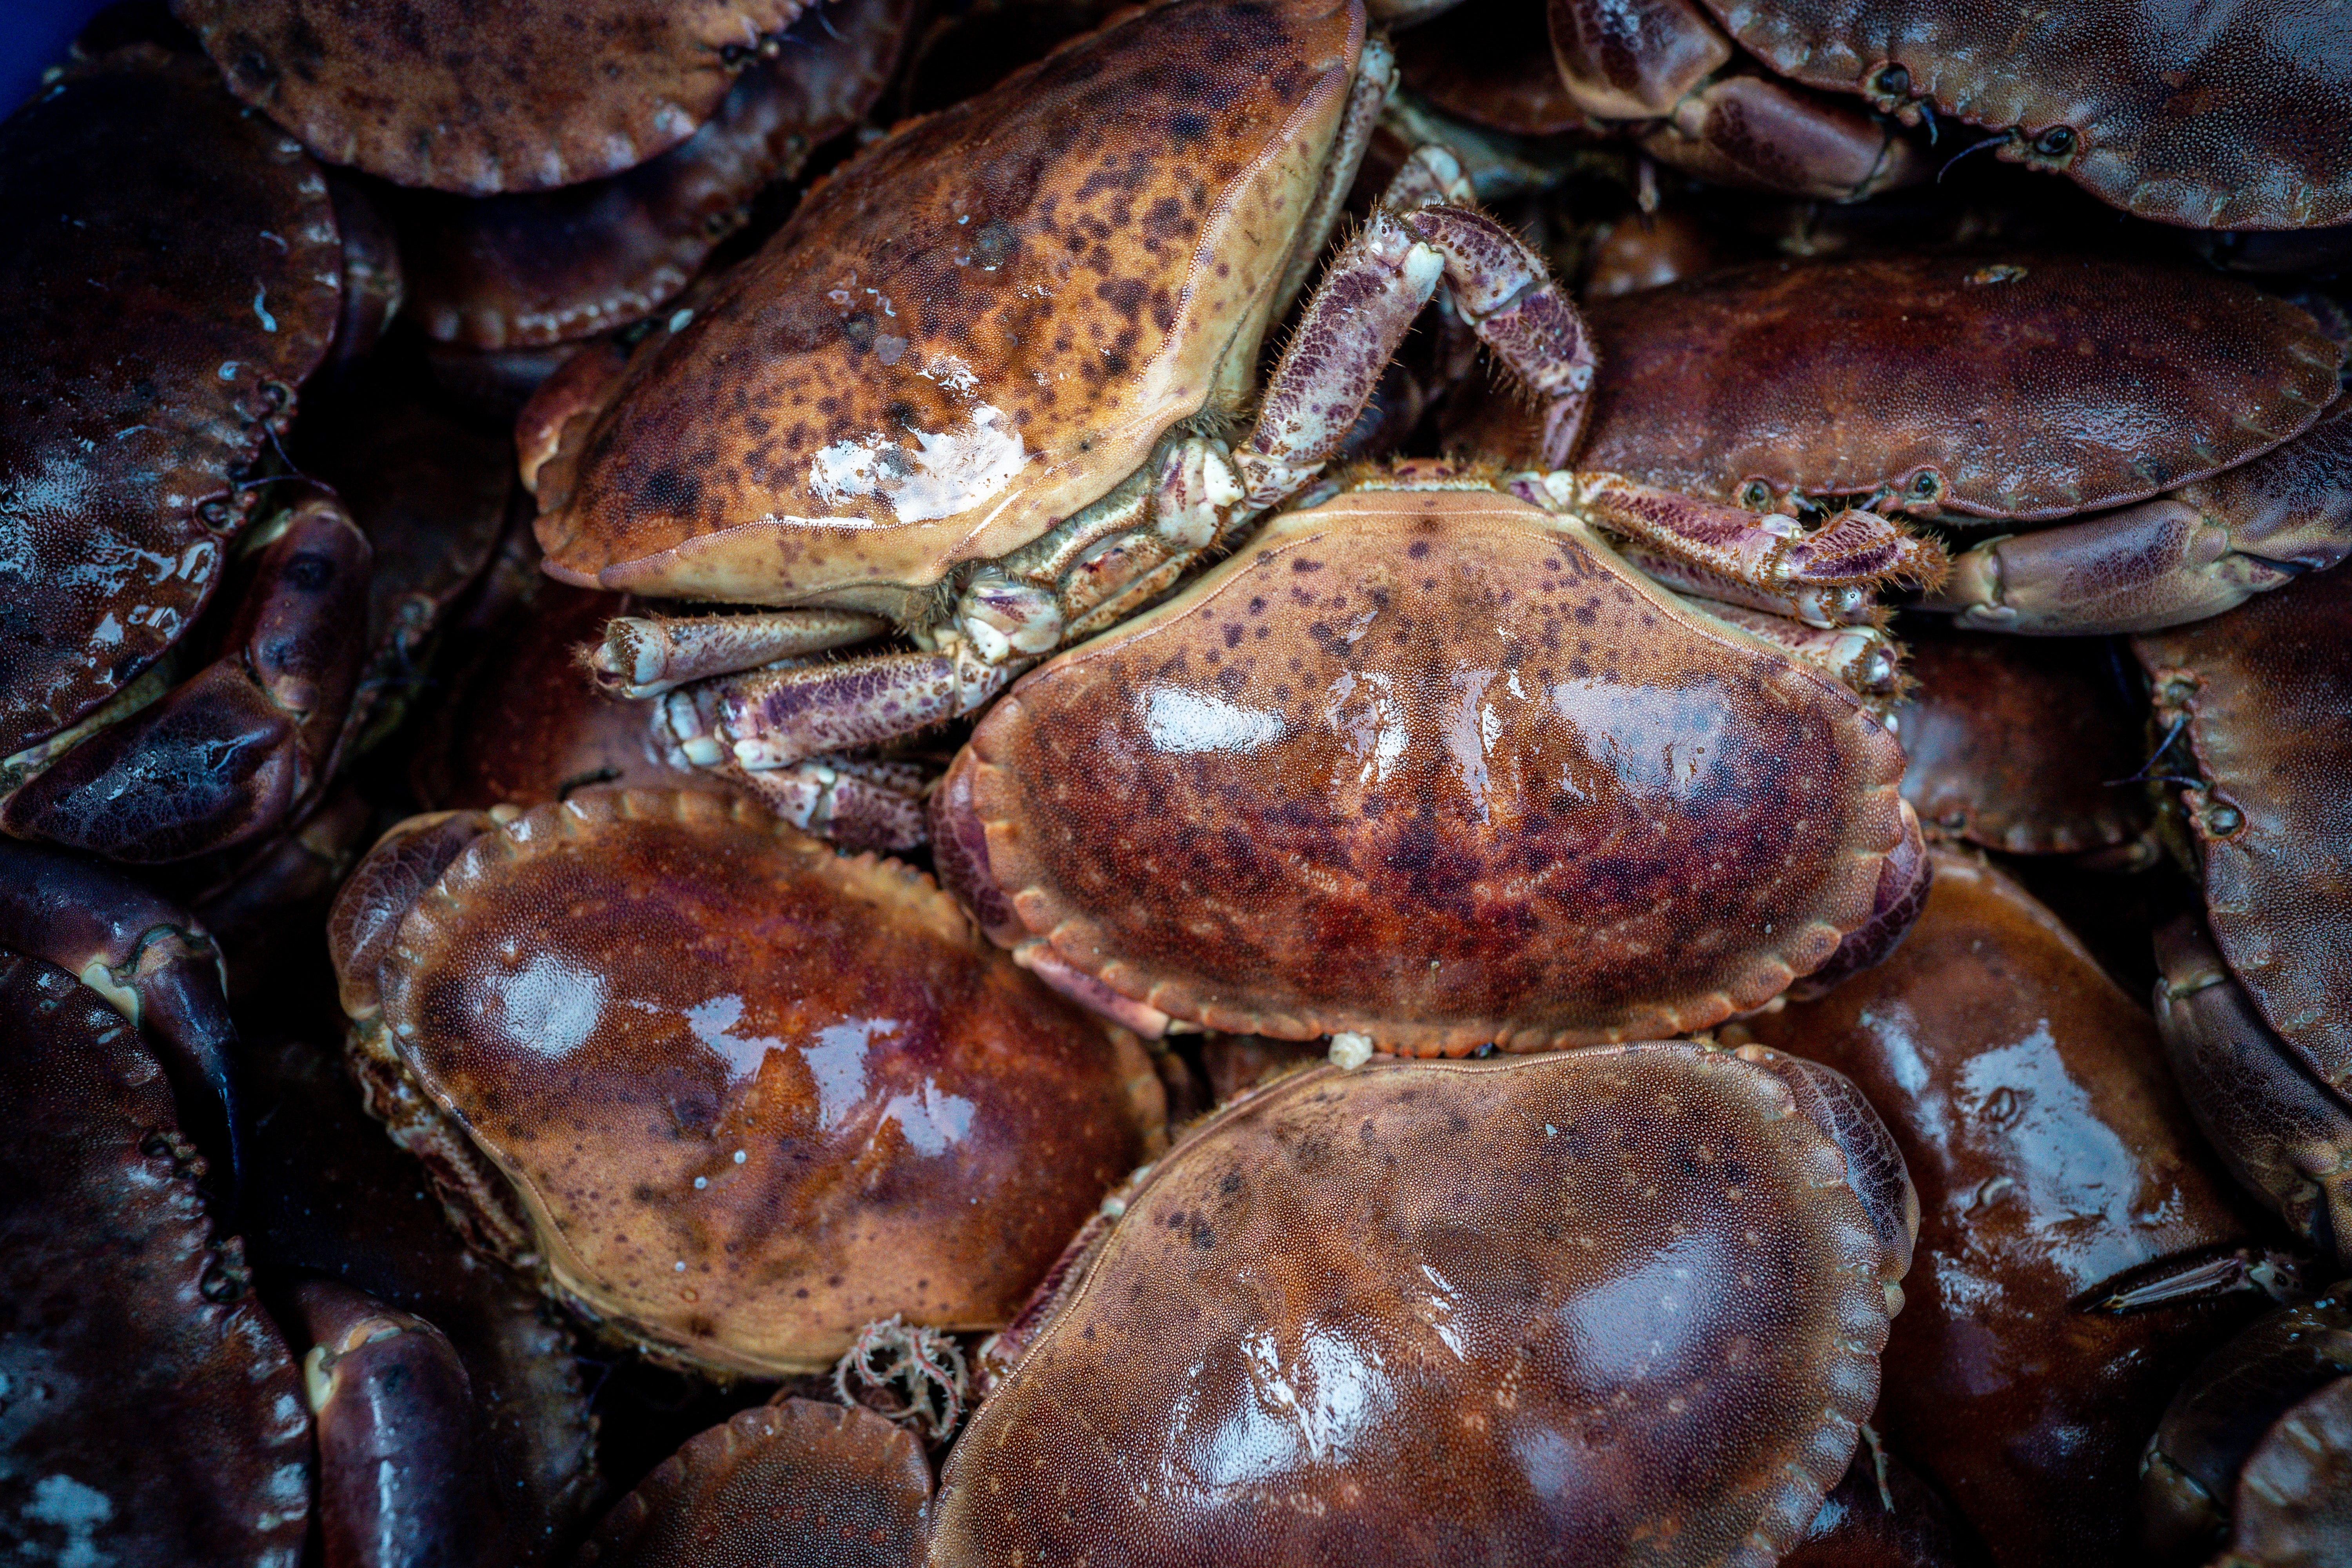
[[1234, 781]]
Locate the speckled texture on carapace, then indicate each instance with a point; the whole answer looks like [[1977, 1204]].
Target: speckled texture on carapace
[[2017, 743], [974, 329], [2032, 386], [142, 359], [1612, 1306], [153, 1414], [795, 1483], [2050, 1154], [754, 1094], [548, 267], [1435, 766], [2230, 115], [2266, 689], [482, 96]]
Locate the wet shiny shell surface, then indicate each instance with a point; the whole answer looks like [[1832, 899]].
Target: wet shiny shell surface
[[2029, 387], [753, 1093], [974, 329], [481, 96], [2235, 115], [152, 1411], [2051, 1152], [2265, 689], [1436, 766], [142, 360], [1616, 1305]]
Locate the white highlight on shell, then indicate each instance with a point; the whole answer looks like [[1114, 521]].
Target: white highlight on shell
[[944, 473]]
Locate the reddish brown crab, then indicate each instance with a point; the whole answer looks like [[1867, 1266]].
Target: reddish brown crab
[[966, 389], [2199, 455], [1431, 764], [1619, 1304], [727, 1093]]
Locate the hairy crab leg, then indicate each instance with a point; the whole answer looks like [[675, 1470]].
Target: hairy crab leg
[[644, 656], [858, 803], [1769, 551], [1840, 605]]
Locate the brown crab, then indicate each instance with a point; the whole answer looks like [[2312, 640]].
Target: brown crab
[[1431, 764], [726, 1093], [968, 388], [1619, 1302], [2018, 388], [475, 97], [2257, 760], [2052, 1159], [2252, 1465], [151, 378], [152, 1411], [547, 267]]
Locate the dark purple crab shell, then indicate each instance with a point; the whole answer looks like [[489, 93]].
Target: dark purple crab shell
[[149, 362]]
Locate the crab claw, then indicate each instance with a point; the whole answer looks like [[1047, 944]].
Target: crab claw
[[2203, 549], [151, 960]]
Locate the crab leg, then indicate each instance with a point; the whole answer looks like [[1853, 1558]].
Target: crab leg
[[1862, 658], [858, 803], [1766, 549], [644, 656], [1845, 604], [776, 716]]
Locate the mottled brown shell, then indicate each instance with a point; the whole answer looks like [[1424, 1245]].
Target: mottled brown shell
[[482, 96], [797, 1483], [1433, 767], [548, 267], [2012, 385], [2050, 1154], [169, 274], [153, 1412], [752, 1094], [2025, 745], [1616, 1305], [2266, 690], [975, 328], [2230, 115]]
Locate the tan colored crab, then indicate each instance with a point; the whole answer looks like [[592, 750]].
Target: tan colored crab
[[975, 388]]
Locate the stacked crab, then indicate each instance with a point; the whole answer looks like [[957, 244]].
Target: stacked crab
[[1024, 876]]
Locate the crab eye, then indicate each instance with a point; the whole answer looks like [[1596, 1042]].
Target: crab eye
[[1892, 82], [1755, 495], [2056, 142], [1926, 485]]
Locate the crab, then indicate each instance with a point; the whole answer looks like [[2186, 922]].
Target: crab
[[1664, 74], [511, 95], [124, 1313], [1390, 1315], [1917, 385], [2052, 1158], [1431, 766], [150, 379], [722, 1091], [546, 266], [2028, 748], [2233, 116], [2252, 1465], [2250, 706], [971, 388]]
